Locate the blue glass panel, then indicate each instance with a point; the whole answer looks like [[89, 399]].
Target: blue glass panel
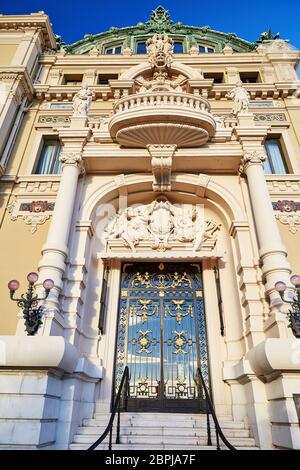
[[141, 48], [109, 51], [118, 50], [49, 159], [275, 162], [201, 49], [178, 47]]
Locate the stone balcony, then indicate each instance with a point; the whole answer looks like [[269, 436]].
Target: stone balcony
[[162, 117]]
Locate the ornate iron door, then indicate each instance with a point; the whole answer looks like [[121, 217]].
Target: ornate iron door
[[162, 336]]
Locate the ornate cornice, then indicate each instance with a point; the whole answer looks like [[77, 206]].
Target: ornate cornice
[[35, 21], [20, 76]]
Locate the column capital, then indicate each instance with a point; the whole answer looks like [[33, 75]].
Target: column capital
[[72, 159], [252, 157]]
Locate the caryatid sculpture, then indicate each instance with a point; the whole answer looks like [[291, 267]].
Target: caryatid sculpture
[[82, 101], [241, 98]]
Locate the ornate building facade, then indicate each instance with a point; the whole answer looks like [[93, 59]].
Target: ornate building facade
[[152, 172]]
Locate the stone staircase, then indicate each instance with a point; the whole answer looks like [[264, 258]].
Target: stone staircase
[[161, 431]]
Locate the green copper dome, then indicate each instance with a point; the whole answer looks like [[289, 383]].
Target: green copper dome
[[116, 40]]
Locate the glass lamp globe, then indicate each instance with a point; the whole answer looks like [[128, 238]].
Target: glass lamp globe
[[32, 278], [295, 280], [13, 285], [280, 286], [48, 284]]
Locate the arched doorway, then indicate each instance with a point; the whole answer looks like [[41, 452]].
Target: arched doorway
[[162, 336]]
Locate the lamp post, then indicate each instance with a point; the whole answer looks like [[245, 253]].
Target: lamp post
[[294, 312], [28, 302]]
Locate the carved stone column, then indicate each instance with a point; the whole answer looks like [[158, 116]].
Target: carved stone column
[[161, 163], [55, 251], [275, 265]]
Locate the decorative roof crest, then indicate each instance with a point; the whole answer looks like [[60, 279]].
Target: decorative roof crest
[[160, 20]]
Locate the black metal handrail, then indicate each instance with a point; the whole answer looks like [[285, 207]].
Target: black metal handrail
[[124, 387], [211, 410]]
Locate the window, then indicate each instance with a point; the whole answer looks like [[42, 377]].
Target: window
[[205, 49], [250, 77], [178, 47], [103, 79], [72, 79], [275, 162], [141, 48], [114, 50], [218, 77], [48, 163]]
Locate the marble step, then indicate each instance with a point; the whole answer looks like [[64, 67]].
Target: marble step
[[166, 440], [163, 416], [160, 430], [170, 423], [149, 447], [152, 447]]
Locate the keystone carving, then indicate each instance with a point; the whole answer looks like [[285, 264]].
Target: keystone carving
[[161, 163]]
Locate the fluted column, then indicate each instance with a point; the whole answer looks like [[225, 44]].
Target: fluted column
[[55, 251]]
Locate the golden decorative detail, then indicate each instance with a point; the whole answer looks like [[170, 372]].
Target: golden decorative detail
[[143, 341], [199, 293], [161, 266], [179, 312], [144, 311], [143, 279], [180, 342], [161, 293], [178, 280], [124, 293]]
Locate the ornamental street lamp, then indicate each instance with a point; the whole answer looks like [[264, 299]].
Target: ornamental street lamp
[[294, 312], [28, 302]]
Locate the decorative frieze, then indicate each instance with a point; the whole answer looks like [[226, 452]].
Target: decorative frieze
[[54, 120], [33, 213], [286, 213], [270, 117], [285, 186]]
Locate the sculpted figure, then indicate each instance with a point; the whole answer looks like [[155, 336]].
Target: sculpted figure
[[241, 98], [82, 101]]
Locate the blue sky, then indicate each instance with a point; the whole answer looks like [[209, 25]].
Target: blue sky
[[72, 19]]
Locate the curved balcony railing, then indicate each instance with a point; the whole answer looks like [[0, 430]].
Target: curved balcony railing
[[161, 99]]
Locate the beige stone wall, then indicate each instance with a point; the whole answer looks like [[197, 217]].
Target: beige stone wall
[[7, 53], [20, 254], [292, 243]]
